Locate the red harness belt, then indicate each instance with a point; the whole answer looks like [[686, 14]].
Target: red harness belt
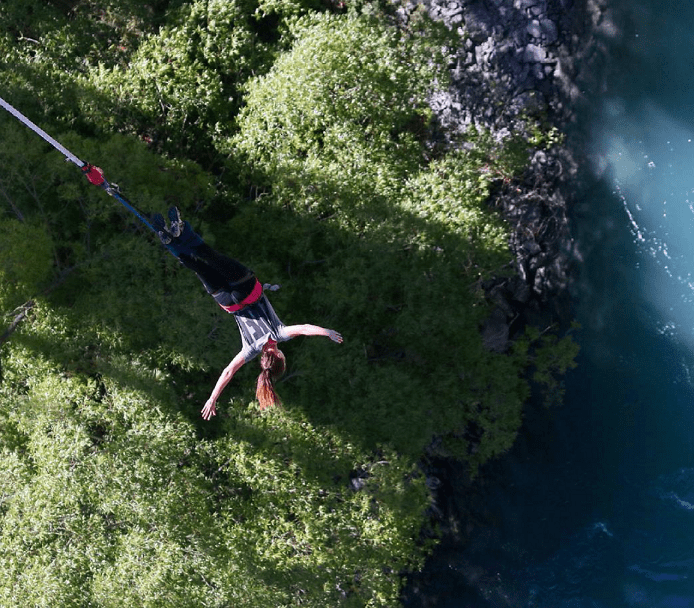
[[251, 298]]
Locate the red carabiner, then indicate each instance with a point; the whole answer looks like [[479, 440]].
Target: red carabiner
[[94, 174]]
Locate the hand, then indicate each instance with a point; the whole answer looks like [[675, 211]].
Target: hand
[[335, 336], [209, 410]]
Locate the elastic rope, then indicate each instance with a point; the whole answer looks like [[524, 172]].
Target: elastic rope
[[128, 205], [40, 132], [93, 174]]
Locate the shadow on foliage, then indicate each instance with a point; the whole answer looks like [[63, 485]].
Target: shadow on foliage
[[407, 301]]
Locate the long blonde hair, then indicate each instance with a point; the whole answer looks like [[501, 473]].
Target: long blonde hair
[[272, 365]]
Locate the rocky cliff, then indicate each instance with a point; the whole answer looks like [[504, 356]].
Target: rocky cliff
[[520, 59]]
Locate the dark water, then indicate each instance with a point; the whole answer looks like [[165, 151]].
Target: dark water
[[595, 507]]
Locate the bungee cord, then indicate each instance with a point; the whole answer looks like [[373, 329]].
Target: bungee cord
[[94, 174], [39, 131]]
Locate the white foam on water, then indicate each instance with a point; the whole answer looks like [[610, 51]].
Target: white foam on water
[[649, 157]]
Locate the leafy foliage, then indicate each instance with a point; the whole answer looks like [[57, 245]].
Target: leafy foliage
[[293, 135], [338, 121], [128, 507], [25, 256], [551, 357]]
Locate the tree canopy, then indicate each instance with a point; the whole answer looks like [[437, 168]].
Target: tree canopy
[[294, 135]]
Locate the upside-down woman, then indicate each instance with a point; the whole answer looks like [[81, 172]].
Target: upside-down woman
[[236, 289]]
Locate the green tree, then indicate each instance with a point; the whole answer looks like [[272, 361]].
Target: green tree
[[25, 261], [108, 499], [294, 138], [339, 120]]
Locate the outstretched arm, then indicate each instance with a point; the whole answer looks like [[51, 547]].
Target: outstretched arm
[[313, 330], [210, 407]]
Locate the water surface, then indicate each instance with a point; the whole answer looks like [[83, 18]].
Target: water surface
[[630, 407]]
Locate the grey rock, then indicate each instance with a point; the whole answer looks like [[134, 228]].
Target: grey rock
[[534, 29], [525, 4], [521, 292], [534, 54], [478, 23], [495, 332], [531, 247], [522, 58], [549, 32]]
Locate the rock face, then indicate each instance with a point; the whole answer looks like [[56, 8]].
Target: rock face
[[518, 55], [525, 58]]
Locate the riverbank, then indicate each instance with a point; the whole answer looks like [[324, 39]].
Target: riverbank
[[524, 61], [521, 58]]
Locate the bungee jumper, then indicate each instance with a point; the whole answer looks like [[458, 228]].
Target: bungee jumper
[[237, 290], [232, 285]]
